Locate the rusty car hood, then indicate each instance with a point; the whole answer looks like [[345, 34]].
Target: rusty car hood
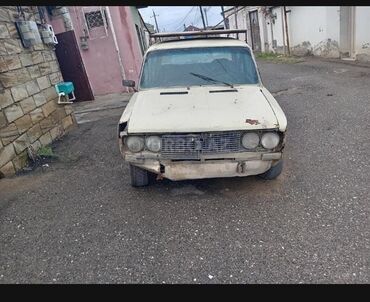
[[201, 109]]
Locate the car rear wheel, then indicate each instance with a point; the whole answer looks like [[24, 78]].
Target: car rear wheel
[[139, 176], [273, 172]]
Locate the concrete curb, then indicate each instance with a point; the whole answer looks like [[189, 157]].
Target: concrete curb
[[100, 108]]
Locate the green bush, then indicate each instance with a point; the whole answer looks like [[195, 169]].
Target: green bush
[[47, 152]]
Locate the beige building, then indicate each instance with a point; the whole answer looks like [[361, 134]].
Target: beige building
[[327, 31]]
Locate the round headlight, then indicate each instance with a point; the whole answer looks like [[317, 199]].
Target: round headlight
[[250, 140], [135, 143], [270, 140], [153, 143]]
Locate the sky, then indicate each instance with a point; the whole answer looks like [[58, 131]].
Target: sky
[[173, 18]]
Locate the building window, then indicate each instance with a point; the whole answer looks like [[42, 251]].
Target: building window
[[95, 19]]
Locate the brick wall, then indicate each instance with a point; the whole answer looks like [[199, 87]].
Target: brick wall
[[30, 116]]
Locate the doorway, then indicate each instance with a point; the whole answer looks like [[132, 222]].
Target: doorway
[[72, 66], [346, 32], [255, 31]]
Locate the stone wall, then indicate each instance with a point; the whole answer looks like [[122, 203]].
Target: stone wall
[[30, 116]]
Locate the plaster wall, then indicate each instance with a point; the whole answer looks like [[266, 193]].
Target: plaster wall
[[101, 58], [362, 33]]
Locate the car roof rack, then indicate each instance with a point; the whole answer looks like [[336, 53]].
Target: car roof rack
[[205, 33]]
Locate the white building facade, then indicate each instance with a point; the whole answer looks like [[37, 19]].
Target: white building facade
[[328, 31]]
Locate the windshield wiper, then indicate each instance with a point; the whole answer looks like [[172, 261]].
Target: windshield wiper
[[203, 77]]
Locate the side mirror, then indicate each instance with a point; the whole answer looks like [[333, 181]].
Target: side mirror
[[128, 83]]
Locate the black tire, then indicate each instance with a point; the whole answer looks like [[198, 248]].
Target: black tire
[[273, 172], [139, 177]]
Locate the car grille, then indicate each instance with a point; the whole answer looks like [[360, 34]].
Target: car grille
[[191, 146]]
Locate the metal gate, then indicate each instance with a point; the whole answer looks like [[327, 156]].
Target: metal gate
[[72, 66]]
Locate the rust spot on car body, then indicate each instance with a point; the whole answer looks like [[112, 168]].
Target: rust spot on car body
[[252, 122], [159, 176]]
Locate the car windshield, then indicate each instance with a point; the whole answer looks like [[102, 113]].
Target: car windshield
[[198, 66]]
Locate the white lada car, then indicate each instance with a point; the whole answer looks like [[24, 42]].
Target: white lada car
[[201, 111]]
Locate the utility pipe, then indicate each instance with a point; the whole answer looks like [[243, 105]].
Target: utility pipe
[[68, 25], [272, 36], [286, 30], [226, 26], [123, 75], [282, 27], [236, 20], [353, 32]]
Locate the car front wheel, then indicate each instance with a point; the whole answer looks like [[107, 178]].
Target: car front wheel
[[139, 176], [273, 172]]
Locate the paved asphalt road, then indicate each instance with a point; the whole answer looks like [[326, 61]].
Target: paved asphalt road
[[79, 220]]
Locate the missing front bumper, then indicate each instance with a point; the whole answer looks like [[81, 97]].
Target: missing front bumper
[[196, 170]]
